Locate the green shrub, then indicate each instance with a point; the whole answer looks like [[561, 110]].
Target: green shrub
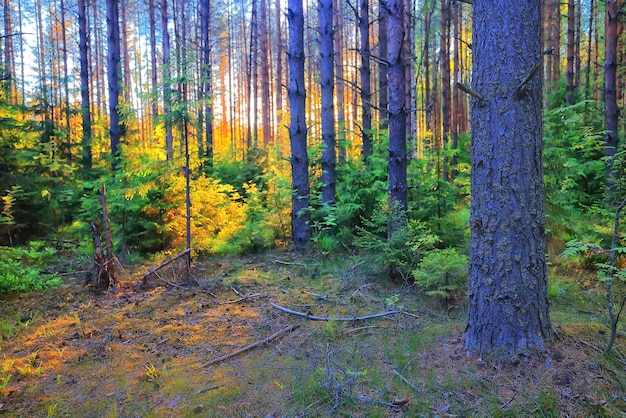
[[442, 273], [21, 269]]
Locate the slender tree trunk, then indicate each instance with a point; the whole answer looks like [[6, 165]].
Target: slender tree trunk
[[446, 97], [9, 53], [611, 110], [456, 97], [167, 82], [366, 94], [297, 130], [22, 63], [571, 31], [114, 77], [127, 87], [206, 79], [327, 65], [279, 64], [265, 76], [397, 159], [383, 83], [85, 106], [253, 142], [339, 85], [153, 61], [589, 49], [66, 89], [508, 303]]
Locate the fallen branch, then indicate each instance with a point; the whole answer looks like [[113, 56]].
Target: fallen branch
[[405, 380], [322, 318], [241, 299], [251, 346], [165, 263]]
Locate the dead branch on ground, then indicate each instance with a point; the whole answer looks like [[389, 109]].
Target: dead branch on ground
[[165, 263], [322, 318], [254, 345]]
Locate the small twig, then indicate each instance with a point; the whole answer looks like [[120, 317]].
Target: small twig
[[160, 342], [241, 299], [322, 318], [317, 295], [466, 89], [522, 87], [289, 264], [165, 263], [405, 380], [251, 346], [590, 345], [362, 328]]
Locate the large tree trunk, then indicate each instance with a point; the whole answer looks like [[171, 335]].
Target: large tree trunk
[[397, 111], [114, 76], [300, 214], [85, 106], [508, 303], [366, 93], [611, 111], [327, 55], [66, 89]]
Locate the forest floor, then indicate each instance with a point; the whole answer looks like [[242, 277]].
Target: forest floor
[[146, 350]]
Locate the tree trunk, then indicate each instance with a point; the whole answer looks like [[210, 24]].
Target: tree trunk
[[508, 303], [114, 76], [383, 83], [279, 66], [205, 16], [446, 97], [85, 106], [9, 53], [327, 65], [66, 89], [153, 61], [611, 111], [342, 144], [366, 93], [266, 59], [397, 158], [300, 214], [167, 82], [571, 30]]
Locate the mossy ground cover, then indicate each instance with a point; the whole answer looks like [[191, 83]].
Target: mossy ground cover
[[141, 350]]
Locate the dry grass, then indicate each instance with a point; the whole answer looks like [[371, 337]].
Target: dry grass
[[138, 352]]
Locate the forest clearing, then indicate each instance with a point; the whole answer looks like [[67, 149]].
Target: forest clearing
[[141, 351]]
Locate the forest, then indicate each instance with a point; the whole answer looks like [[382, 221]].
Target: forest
[[291, 208]]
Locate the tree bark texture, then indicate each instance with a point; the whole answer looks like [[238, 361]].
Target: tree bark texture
[[114, 78], [327, 56], [446, 96], [571, 31], [205, 24], [300, 214], [366, 93], [383, 86], [167, 90], [508, 304], [611, 111], [397, 158], [85, 106]]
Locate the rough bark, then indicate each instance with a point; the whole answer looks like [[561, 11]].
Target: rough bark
[[446, 96], [167, 90], [66, 88], [300, 214], [85, 105], [205, 16], [611, 110], [327, 66], [266, 59], [508, 304], [114, 79], [342, 143], [153, 60], [366, 93], [383, 84], [571, 30], [397, 159]]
